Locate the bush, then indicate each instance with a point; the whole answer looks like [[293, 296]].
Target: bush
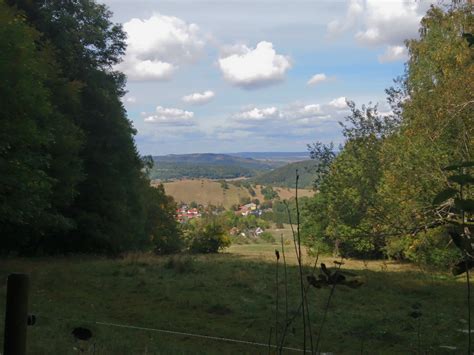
[[268, 193], [429, 248], [268, 237], [207, 238]]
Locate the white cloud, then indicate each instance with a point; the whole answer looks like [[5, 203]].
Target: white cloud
[[339, 103], [312, 109], [251, 68], [257, 114], [199, 98], [393, 53], [158, 45], [318, 78], [382, 23], [354, 9], [138, 70], [170, 116], [295, 114], [390, 22]]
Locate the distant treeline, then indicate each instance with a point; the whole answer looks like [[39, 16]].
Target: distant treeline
[[207, 166], [169, 171], [285, 176], [71, 179], [222, 166]]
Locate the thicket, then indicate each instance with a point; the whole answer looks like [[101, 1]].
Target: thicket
[[285, 211], [375, 194], [205, 236], [71, 177]]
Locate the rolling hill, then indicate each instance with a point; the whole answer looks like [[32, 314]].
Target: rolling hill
[[210, 166], [273, 168], [274, 158], [205, 192], [285, 176]]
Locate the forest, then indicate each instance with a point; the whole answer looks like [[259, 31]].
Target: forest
[[71, 176]]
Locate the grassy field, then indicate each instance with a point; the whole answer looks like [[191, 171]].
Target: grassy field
[[206, 192], [233, 295]]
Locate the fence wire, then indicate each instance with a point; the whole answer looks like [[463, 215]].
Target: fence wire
[[178, 333]]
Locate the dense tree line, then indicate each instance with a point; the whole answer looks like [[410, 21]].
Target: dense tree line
[[71, 177], [376, 193], [170, 171]]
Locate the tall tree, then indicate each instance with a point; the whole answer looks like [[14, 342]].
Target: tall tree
[[107, 202], [38, 144]]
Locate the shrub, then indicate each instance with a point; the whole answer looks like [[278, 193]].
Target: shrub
[[429, 248], [268, 237], [207, 237]]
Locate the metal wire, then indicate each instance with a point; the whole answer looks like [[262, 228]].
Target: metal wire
[[174, 332]]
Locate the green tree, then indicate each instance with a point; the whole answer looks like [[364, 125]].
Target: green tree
[[161, 227], [38, 143], [349, 184], [377, 191], [268, 193], [436, 103], [106, 204]]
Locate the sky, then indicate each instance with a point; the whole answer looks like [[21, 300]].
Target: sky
[[263, 75]]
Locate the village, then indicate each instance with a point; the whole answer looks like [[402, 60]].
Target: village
[[249, 227]]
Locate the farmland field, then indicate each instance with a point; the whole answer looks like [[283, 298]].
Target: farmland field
[[207, 192], [233, 295]]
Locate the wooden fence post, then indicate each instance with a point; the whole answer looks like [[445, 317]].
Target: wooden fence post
[[16, 314]]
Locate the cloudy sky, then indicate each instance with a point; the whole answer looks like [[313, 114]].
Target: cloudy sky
[[256, 75]]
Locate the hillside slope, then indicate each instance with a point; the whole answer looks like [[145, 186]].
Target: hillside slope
[[285, 176], [211, 166], [207, 192]]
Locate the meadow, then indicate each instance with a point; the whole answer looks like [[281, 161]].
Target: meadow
[[233, 295]]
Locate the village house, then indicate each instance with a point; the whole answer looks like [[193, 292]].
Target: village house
[[247, 209], [184, 213]]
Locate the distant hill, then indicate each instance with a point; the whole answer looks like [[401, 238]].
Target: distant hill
[[210, 166], [274, 158], [285, 176]]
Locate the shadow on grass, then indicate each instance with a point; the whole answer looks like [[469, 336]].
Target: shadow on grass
[[231, 296]]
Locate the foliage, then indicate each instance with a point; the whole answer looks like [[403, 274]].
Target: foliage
[[39, 142], [209, 166], [206, 236], [324, 155], [72, 179], [349, 186], [284, 176], [279, 213], [456, 208], [376, 193], [267, 237], [268, 193], [162, 228]]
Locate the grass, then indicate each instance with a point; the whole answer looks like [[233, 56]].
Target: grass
[[231, 295]]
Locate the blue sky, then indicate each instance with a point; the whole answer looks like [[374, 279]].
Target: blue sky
[[227, 76]]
